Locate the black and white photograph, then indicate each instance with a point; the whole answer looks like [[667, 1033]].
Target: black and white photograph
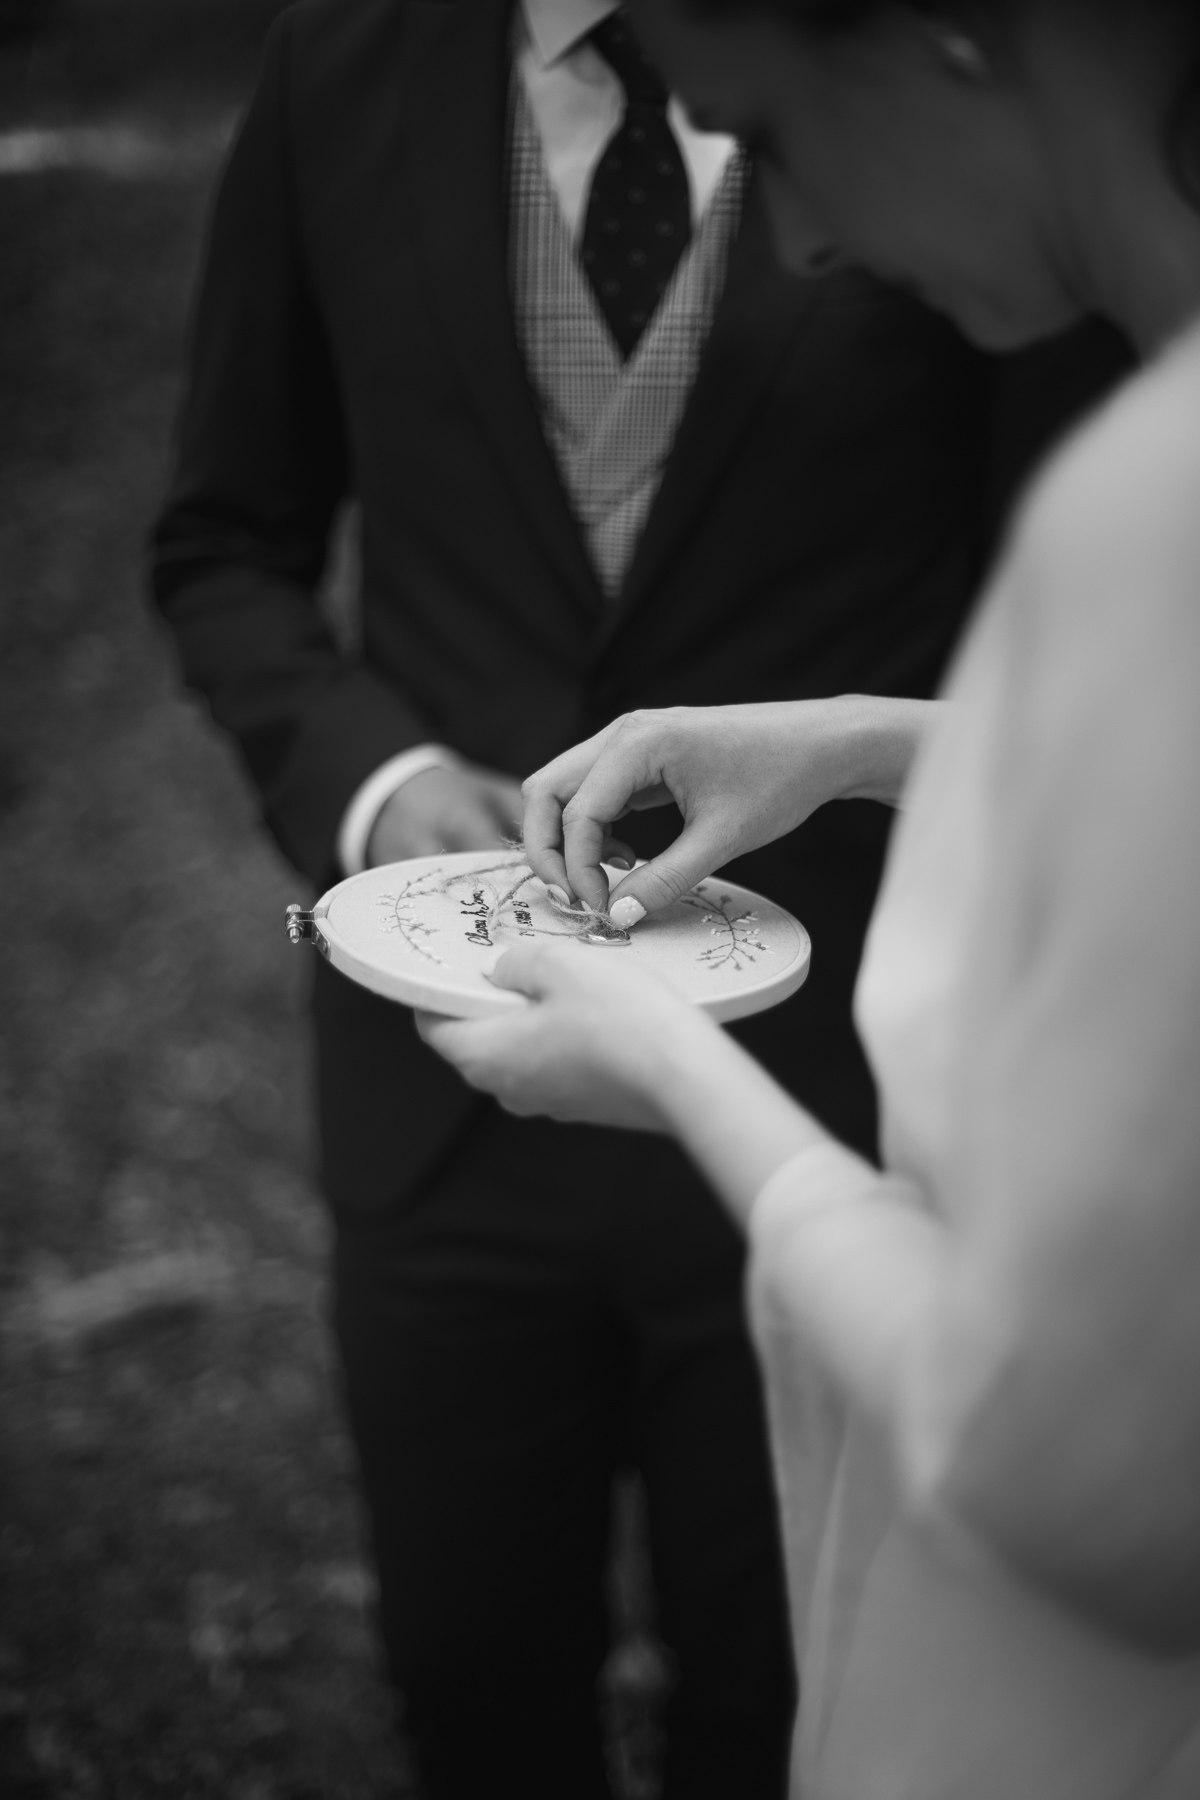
[[600, 841]]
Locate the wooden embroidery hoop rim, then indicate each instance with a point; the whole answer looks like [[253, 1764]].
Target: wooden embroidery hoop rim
[[411, 988]]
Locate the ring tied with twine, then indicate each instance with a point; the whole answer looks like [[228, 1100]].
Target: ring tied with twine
[[597, 926]]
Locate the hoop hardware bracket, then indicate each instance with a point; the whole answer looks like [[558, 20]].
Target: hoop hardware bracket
[[300, 925]]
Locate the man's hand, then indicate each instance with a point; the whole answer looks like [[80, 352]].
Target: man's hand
[[446, 809]]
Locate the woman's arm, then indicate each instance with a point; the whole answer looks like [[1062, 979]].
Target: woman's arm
[[742, 776], [861, 1261], [609, 1044], [1032, 1364]]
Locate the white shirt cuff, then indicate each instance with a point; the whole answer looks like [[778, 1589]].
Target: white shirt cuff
[[359, 818]]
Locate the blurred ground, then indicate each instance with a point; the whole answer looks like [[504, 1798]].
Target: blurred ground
[[184, 1604], [184, 1600]]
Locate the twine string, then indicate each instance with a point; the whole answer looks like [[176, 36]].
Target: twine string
[[579, 914]]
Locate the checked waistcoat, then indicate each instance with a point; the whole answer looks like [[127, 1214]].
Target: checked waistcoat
[[609, 422]]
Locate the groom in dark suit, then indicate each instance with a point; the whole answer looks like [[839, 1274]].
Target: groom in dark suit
[[607, 455]]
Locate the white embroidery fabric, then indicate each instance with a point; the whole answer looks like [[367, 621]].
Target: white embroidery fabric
[[609, 423]]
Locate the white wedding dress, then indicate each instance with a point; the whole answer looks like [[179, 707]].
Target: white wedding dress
[[1030, 1000]]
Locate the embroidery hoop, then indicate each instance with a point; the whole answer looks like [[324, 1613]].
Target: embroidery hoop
[[420, 933]]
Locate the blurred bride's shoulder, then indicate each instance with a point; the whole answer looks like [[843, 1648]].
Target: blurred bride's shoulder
[[1116, 510], [1132, 466]]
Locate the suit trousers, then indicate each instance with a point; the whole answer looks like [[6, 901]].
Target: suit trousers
[[556, 1304]]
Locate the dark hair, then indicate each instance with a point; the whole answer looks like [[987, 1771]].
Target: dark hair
[[1183, 131]]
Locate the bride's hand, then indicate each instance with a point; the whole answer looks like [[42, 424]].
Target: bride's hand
[[742, 776], [594, 1047]]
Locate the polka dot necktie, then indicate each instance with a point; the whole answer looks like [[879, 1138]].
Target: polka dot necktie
[[639, 212]]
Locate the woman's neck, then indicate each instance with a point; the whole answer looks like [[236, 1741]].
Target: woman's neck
[[1139, 260], [1130, 235]]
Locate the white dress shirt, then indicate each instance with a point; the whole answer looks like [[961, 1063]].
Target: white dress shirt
[[576, 101]]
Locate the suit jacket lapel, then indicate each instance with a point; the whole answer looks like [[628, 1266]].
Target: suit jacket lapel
[[456, 108], [760, 313]]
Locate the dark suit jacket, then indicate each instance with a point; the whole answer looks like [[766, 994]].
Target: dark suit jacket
[[817, 530]]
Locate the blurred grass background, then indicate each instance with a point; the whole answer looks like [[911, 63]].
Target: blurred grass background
[[184, 1602]]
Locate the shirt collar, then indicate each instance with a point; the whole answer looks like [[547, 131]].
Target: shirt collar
[[556, 27]]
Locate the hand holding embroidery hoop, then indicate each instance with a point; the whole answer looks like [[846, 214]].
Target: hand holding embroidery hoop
[[427, 933]]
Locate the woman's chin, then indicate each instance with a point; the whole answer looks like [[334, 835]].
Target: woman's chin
[[999, 323], [1002, 327]]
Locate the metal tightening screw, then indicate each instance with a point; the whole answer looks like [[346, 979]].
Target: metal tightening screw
[[299, 924]]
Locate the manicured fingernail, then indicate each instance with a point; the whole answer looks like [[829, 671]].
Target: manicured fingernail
[[618, 862], [559, 894], [627, 913]]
